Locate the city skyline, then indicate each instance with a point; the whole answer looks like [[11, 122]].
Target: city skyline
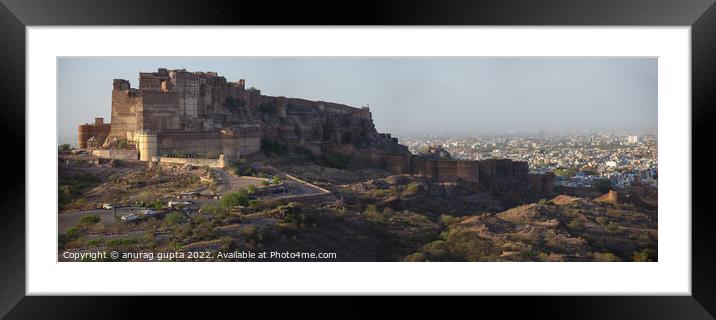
[[473, 95]]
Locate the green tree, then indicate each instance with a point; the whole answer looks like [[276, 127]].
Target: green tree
[[234, 199], [64, 147], [251, 189]]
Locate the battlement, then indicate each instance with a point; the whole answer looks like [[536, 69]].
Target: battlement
[[120, 84]]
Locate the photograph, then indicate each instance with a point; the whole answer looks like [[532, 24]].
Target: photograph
[[510, 154], [357, 159]]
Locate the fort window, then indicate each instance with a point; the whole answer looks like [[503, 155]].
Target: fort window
[[165, 85]]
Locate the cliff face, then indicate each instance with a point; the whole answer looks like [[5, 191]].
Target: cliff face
[[303, 122]]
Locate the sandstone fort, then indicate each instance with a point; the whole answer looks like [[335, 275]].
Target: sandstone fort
[[178, 116]]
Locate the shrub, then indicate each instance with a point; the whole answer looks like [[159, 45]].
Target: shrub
[[471, 247], [148, 197], [122, 144], [157, 204], [371, 214], [411, 188], [89, 220], [415, 257], [215, 210], [174, 218], [446, 219], [250, 233], [234, 199], [251, 189], [437, 250], [241, 168], [574, 224], [646, 255], [95, 242], [605, 257], [121, 241], [415, 219], [602, 221], [72, 232], [70, 187], [63, 148], [339, 214], [275, 180]]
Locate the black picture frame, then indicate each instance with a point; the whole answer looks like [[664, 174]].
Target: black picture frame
[[15, 15]]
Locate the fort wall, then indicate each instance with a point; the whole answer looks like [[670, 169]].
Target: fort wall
[[126, 105], [99, 130], [486, 171], [447, 170], [397, 164], [116, 154], [212, 163], [468, 171]]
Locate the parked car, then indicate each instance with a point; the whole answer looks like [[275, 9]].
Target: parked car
[[130, 217], [107, 206], [182, 203]]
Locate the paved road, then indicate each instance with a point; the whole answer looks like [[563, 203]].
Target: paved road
[[227, 182]]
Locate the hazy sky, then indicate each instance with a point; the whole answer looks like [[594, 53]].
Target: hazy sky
[[408, 95]]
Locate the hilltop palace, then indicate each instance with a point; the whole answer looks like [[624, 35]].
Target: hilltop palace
[[177, 116]]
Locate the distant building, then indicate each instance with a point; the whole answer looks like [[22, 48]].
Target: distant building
[[633, 139]]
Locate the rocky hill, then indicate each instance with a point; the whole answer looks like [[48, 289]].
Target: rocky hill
[[563, 229]]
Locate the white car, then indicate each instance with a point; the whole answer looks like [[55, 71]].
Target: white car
[[130, 217], [107, 206], [173, 204]]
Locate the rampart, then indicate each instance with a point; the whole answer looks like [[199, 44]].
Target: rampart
[[92, 135], [116, 154], [212, 163], [486, 172]]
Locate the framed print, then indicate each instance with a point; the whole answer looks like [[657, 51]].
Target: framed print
[[413, 149]]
